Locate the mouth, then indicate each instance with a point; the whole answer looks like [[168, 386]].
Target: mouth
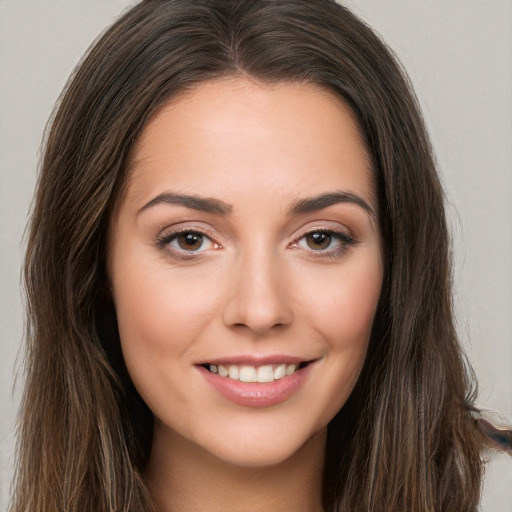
[[255, 373], [255, 383]]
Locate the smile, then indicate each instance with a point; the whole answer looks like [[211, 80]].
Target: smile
[[249, 373], [257, 385]]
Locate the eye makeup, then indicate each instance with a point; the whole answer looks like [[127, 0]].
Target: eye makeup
[[190, 243], [325, 243], [186, 243]]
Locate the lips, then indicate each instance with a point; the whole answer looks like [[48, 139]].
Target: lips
[[260, 384]]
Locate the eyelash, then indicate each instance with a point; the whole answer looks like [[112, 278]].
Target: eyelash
[[345, 242], [164, 242]]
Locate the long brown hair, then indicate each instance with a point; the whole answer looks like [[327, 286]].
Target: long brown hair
[[406, 439]]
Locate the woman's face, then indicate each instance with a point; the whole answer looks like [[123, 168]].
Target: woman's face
[[247, 244]]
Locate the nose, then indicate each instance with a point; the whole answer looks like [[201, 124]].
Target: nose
[[260, 297]]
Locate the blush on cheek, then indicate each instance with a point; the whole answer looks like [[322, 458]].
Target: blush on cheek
[[349, 313]]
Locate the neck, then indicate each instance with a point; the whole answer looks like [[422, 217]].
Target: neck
[[182, 477]]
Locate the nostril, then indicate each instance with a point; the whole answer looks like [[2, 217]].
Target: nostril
[[263, 328]]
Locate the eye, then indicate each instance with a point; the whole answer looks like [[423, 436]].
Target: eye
[[325, 241], [188, 241], [318, 241]]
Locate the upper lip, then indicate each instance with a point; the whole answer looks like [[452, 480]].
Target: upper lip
[[257, 360]]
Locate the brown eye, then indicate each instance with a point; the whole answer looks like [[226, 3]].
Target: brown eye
[[326, 242], [318, 240], [187, 242]]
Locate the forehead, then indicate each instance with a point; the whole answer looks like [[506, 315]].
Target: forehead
[[233, 134]]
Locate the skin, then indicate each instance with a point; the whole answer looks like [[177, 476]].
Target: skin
[[256, 284]]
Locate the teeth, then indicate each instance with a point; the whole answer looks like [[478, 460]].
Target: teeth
[[265, 374], [280, 372], [290, 368], [233, 372], [246, 373]]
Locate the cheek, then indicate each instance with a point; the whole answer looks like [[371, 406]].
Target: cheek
[[344, 308], [342, 312], [160, 316]]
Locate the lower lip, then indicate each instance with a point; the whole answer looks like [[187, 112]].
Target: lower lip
[[255, 394]]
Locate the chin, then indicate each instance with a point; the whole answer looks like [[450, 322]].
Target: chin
[[259, 448]]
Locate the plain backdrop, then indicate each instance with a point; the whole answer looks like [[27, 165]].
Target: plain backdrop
[[459, 56]]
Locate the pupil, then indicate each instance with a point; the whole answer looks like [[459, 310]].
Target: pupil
[[190, 241], [318, 241]]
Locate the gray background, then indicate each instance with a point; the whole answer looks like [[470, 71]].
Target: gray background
[[459, 56]]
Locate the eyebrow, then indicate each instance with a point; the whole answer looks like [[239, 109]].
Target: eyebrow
[[329, 199], [218, 207], [203, 204]]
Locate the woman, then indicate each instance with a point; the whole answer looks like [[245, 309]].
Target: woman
[[244, 112]]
